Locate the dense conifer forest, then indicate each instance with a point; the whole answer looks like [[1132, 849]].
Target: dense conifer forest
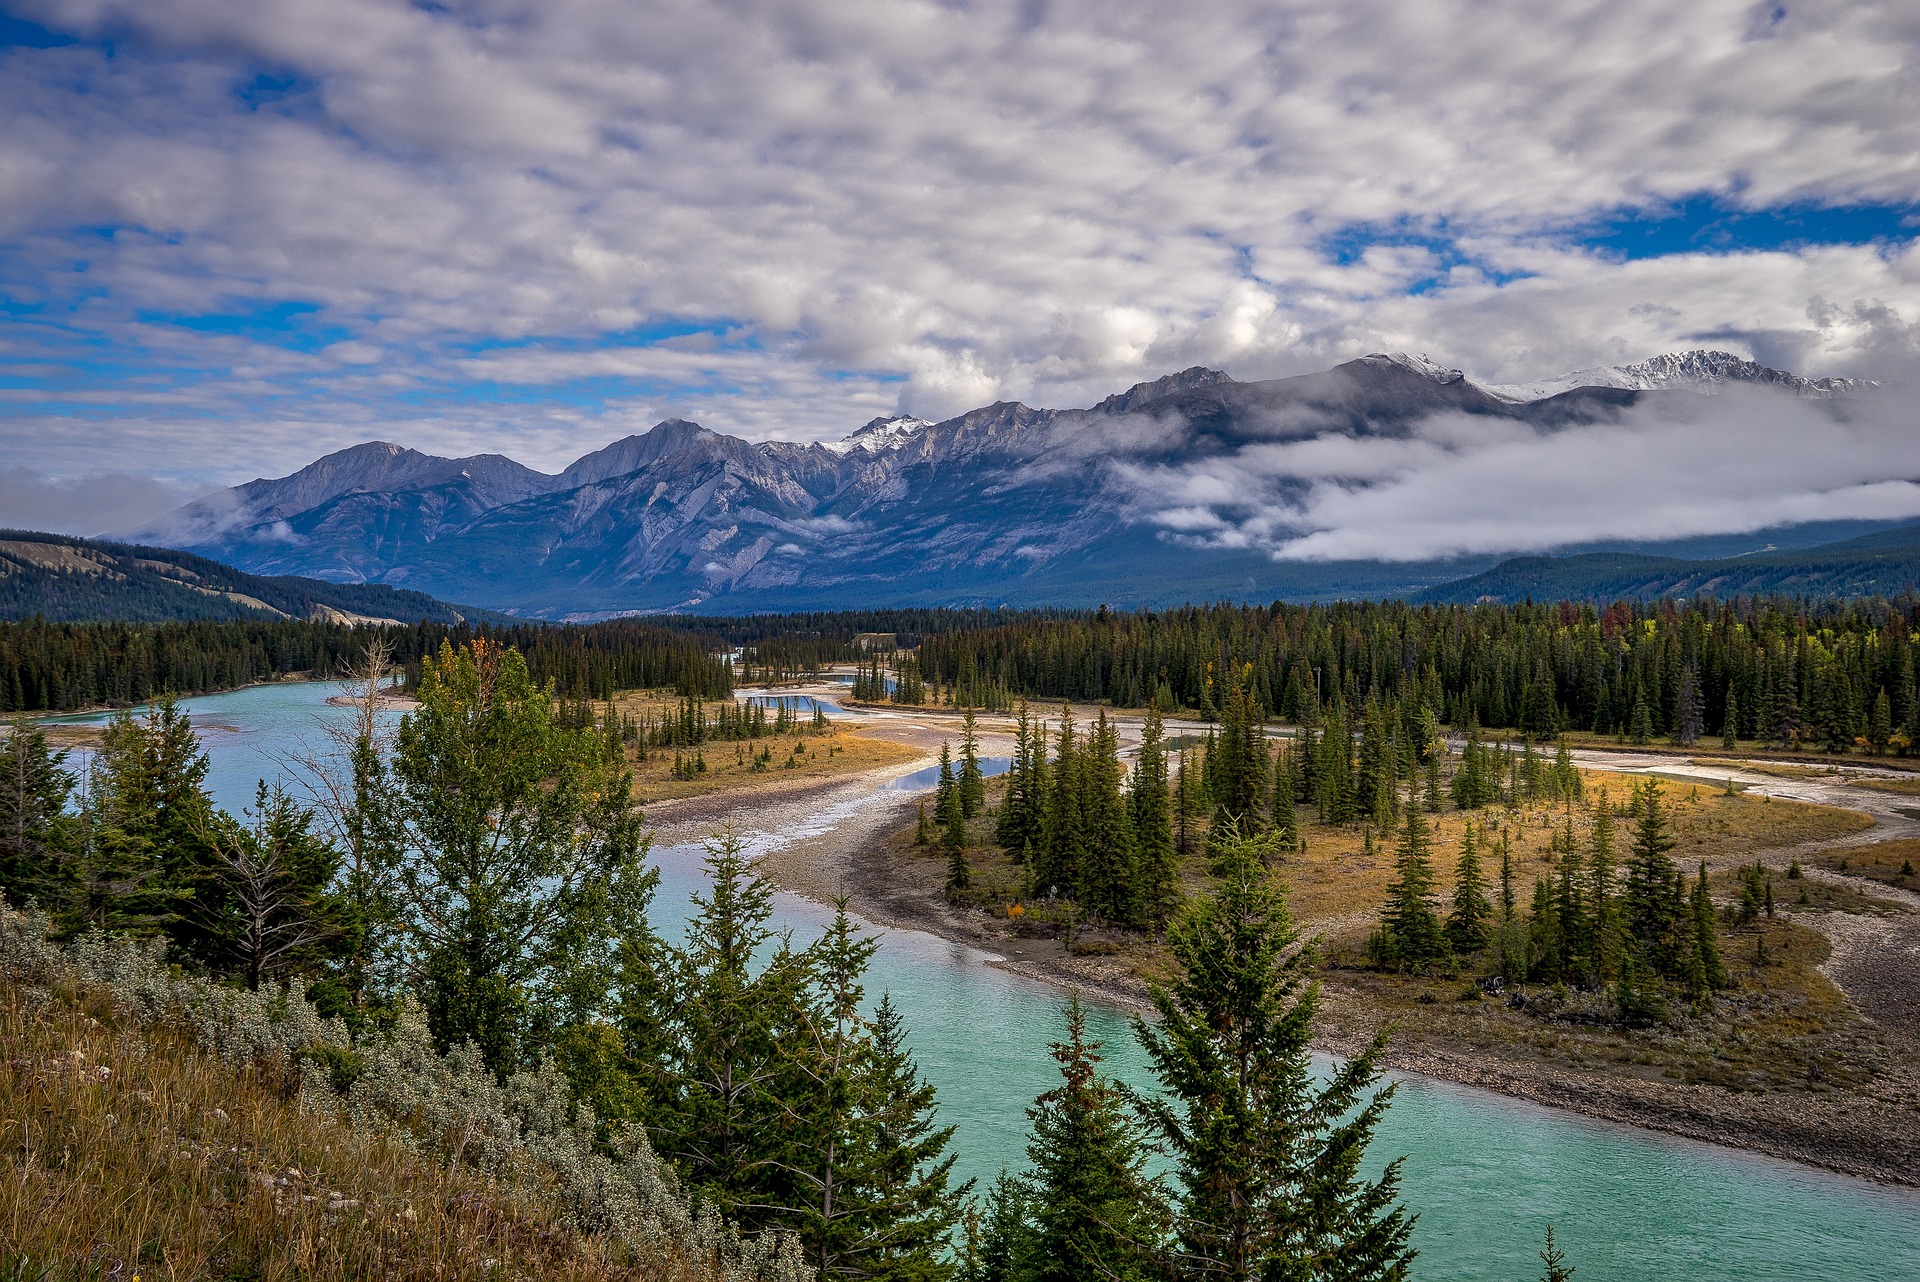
[[50, 667]]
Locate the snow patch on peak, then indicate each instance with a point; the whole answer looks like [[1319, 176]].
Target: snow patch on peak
[[1423, 365], [1699, 371], [881, 434]]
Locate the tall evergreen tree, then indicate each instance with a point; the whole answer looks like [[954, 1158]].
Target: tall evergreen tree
[[716, 1109], [912, 1203], [1410, 934], [1063, 823], [1603, 908], [1708, 974], [36, 832], [972, 782], [1267, 1158], [1095, 1211], [1153, 835], [1651, 906], [1470, 924], [1108, 884]]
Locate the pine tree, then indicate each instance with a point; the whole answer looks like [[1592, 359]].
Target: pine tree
[[1689, 717], [1239, 786], [1730, 724], [1286, 824], [1266, 1157], [1018, 825], [1602, 907], [972, 783], [954, 839], [946, 791], [1410, 934], [36, 832], [1095, 1212], [1555, 1260], [923, 829], [1108, 884], [1063, 828], [1152, 802], [716, 1109], [1650, 905], [1470, 924], [1333, 771], [911, 1208], [1006, 1236]]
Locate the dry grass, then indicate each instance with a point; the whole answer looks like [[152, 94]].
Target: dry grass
[[838, 751], [1898, 787], [1892, 863], [124, 1156]]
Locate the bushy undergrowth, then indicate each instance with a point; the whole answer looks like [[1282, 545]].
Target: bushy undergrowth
[[526, 1136]]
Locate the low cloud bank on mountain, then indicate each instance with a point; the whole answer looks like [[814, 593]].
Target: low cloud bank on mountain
[[84, 504], [1458, 484]]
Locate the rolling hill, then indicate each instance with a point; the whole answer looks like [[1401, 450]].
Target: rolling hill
[[68, 579]]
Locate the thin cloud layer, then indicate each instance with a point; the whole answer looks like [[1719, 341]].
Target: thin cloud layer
[[240, 235], [1460, 485]]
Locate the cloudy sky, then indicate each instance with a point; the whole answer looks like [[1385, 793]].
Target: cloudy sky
[[235, 234]]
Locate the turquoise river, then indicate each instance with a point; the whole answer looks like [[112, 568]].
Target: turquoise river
[[1485, 1173]]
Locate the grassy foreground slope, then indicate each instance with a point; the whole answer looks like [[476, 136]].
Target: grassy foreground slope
[[162, 1127]]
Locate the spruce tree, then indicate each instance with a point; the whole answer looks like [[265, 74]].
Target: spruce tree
[[911, 1203], [1286, 824], [1470, 924], [1005, 1247], [946, 789], [716, 1109], [1730, 724], [524, 857], [1651, 907], [1152, 803], [1095, 1211], [954, 838], [1266, 1158], [1063, 825], [1410, 934], [1108, 884], [1603, 909], [971, 782], [36, 832]]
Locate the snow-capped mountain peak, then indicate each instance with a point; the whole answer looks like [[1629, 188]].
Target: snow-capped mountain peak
[[1423, 365], [1699, 370], [881, 434]]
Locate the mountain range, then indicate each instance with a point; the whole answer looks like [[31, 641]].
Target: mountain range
[[1005, 504]]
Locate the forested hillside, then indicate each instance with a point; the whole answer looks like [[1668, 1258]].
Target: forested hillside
[[1883, 564], [60, 666], [61, 578]]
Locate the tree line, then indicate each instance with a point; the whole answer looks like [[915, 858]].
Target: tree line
[[1830, 675], [53, 667]]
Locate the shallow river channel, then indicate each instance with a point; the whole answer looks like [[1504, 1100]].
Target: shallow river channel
[[1486, 1174]]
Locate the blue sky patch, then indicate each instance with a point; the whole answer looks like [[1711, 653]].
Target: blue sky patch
[[1710, 224]]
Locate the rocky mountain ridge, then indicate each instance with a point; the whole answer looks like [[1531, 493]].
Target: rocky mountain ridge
[[1002, 504]]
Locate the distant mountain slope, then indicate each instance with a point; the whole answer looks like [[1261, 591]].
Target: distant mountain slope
[[1005, 504], [1883, 564], [67, 579]]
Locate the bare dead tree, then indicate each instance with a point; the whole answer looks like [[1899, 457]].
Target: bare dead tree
[[276, 920], [342, 778]]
